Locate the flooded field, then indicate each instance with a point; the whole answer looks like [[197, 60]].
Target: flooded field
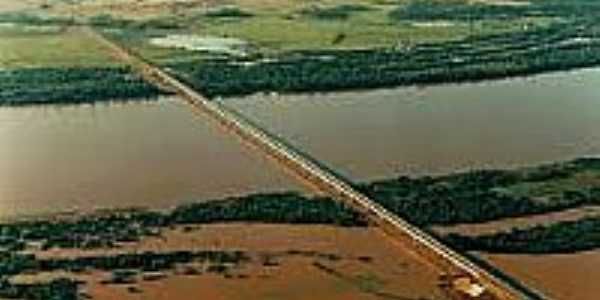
[[59, 158], [300, 262], [565, 276], [440, 129]]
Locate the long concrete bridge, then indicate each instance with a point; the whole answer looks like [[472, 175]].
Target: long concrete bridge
[[448, 260]]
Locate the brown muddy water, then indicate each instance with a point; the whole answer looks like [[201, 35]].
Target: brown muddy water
[[440, 129], [559, 276], [73, 158]]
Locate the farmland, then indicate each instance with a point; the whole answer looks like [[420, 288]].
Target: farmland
[[48, 46]]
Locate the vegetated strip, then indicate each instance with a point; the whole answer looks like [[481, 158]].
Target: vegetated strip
[[559, 46], [59, 289], [464, 10], [470, 197], [487, 195], [562, 237], [113, 228], [124, 268], [72, 86], [338, 12], [14, 264], [102, 20], [128, 268]]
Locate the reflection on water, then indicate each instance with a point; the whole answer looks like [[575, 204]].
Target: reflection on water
[[152, 154], [442, 128]]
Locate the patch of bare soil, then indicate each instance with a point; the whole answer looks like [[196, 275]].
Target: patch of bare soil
[[293, 262], [562, 277]]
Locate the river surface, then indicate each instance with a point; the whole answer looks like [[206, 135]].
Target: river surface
[[440, 129], [63, 158], [59, 158]]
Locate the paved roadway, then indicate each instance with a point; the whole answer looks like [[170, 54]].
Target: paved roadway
[[325, 179]]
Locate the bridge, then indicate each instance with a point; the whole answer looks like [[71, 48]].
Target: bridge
[[451, 262]]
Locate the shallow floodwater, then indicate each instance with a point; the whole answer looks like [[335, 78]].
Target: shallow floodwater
[[559, 276], [440, 129], [55, 159]]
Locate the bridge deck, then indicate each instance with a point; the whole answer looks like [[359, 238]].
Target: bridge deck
[[329, 182]]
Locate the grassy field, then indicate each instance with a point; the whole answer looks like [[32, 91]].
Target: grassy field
[[345, 26], [275, 28], [270, 26], [23, 46], [328, 46]]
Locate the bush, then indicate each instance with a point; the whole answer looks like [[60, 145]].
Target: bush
[[228, 12], [340, 12]]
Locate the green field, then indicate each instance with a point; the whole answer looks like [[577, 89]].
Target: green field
[[314, 26], [31, 46]]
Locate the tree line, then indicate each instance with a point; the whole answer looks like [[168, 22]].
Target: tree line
[[565, 46], [484, 195], [72, 86], [464, 11], [562, 237], [129, 226]]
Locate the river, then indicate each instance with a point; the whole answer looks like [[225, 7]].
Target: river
[[151, 154], [158, 154], [439, 129]]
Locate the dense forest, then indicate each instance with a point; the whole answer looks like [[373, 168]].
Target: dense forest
[[562, 237], [478, 196], [71, 86], [457, 10]]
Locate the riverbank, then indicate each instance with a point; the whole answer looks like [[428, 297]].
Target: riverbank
[[471, 197]]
